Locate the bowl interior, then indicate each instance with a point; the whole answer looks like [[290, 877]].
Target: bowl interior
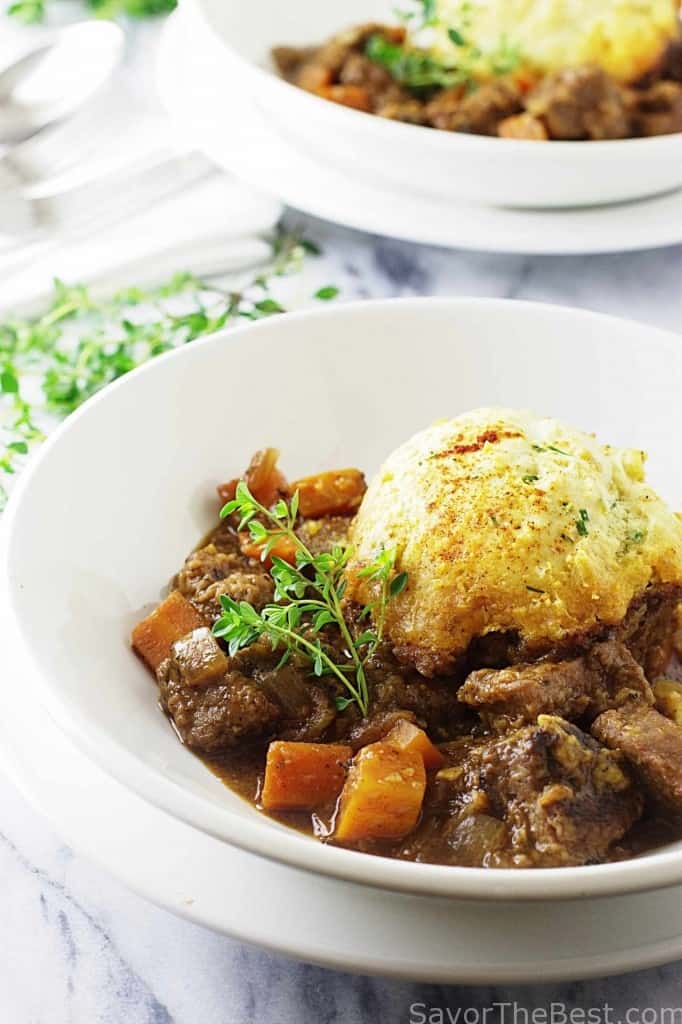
[[125, 489]]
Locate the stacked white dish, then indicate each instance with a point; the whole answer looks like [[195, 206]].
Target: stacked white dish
[[396, 179], [96, 558]]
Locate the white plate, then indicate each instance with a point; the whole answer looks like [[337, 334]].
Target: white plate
[[125, 487], [278, 908], [446, 165], [230, 129]]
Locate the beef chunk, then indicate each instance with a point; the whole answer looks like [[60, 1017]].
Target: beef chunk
[[657, 110], [360, 70], [215, 717], [511, 696], [648, 630], [288, 59], [479, 112], [210, 572], [217, 701], [402, 108], [652, 744], [562, 798], [580, 103], [323, 534], [606, 676]]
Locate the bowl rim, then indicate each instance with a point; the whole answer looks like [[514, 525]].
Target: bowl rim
[[656, 870], [404, 133]]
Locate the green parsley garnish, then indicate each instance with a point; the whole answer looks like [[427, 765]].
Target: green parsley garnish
[[582, 521], [308, 598], [530, 478]]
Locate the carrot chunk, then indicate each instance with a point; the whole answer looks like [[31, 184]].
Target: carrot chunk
[[154, 636], [406, 735], [355, 96], [383, 794], [283, 548], [335, 493], [302, 776]]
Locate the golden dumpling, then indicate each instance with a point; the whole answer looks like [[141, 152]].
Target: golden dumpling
[[625, 37], [509, 523]]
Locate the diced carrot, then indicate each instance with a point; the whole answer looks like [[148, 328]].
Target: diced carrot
[[355, 96], [383, 794], [302, 776], [406, 735], [334, 493], [154, 636], [283, 548]]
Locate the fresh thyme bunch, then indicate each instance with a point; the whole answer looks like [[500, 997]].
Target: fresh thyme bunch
[[308, 598]]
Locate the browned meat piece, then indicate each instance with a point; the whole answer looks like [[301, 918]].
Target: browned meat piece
[[672, 62], [479, 112], [580, 103], [320, 535], [288, 59], [653, 746], [510, 696], [360, 70], [216, 701], [648, 630], [215, 717], [561, 797], [523, 126], [618, 678], [210, 572], [657, 110], [607, 676], [333, 54], [432, 702], [407, 109]]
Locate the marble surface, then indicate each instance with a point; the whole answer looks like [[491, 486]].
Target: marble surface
[[80, 949]]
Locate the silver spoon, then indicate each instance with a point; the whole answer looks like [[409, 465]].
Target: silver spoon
[[57, 77]]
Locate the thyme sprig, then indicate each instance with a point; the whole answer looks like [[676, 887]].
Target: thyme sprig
[[51, 363], [34, 11], [308, 598]]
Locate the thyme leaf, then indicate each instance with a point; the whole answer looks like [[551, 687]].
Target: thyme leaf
[[51, 363], [308, 599]]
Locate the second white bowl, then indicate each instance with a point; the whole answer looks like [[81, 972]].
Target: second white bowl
[[446, 164]]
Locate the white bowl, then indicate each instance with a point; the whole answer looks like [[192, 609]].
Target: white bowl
[[445, 164], [125, 488]]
